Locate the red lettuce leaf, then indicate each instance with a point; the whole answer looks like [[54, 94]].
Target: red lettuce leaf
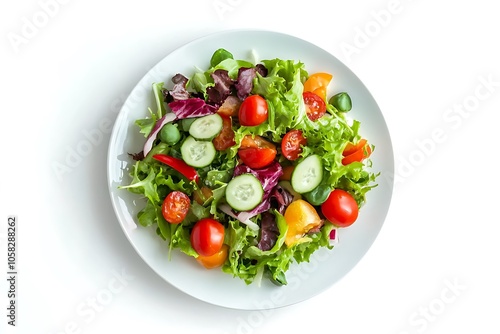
[[261, 69], [269, 232], [244, 84], [281, 198], [222, 87], [179, 91]]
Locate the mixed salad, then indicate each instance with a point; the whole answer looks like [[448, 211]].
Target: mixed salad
[[250, 167]]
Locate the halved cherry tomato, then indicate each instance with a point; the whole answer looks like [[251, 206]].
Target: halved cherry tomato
[[315, 106], [225, 138], [175, 207], [215, 260], [207, 237], [250, 141], [340, 208], [317, 83], [301, 217], [291, 144], [257, 157], [253, 111], [256, 152], [357, 152]]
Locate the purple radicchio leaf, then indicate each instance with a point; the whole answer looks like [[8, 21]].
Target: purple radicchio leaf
[[269, 232], [221, 89], [192, 107], [268, 176]]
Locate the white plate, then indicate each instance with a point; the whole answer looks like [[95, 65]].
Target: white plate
[[214, 286]]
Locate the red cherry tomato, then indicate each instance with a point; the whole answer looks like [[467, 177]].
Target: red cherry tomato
[[225, 138], [291, 144], [207, 237], [175, 207], [256, 152], [253, 111], [340, 208], [257, 157], [250, 141], [315, 106]]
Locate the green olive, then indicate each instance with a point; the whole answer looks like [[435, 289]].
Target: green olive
[[220, 55], [170, 134], [341, 101], [318, 195]]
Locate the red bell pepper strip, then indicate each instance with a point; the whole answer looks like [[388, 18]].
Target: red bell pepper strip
[[179, 165]]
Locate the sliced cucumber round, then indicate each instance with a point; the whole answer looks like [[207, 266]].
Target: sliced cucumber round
[[197, 153], [244, 192], [206, 127], [308, 174]]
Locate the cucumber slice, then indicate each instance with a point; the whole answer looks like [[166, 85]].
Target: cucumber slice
[[244, 192], [197, 153], [308, 174], [206, 127]]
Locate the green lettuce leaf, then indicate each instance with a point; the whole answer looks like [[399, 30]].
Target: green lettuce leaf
[[238, 238], [160, 106], [147, 216], [231, 66], [180, 238], [143, 185], [146, 124]]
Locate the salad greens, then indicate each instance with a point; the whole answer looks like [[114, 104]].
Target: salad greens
[[255, 238]]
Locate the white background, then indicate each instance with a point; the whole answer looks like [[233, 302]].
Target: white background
[[433, 268]]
